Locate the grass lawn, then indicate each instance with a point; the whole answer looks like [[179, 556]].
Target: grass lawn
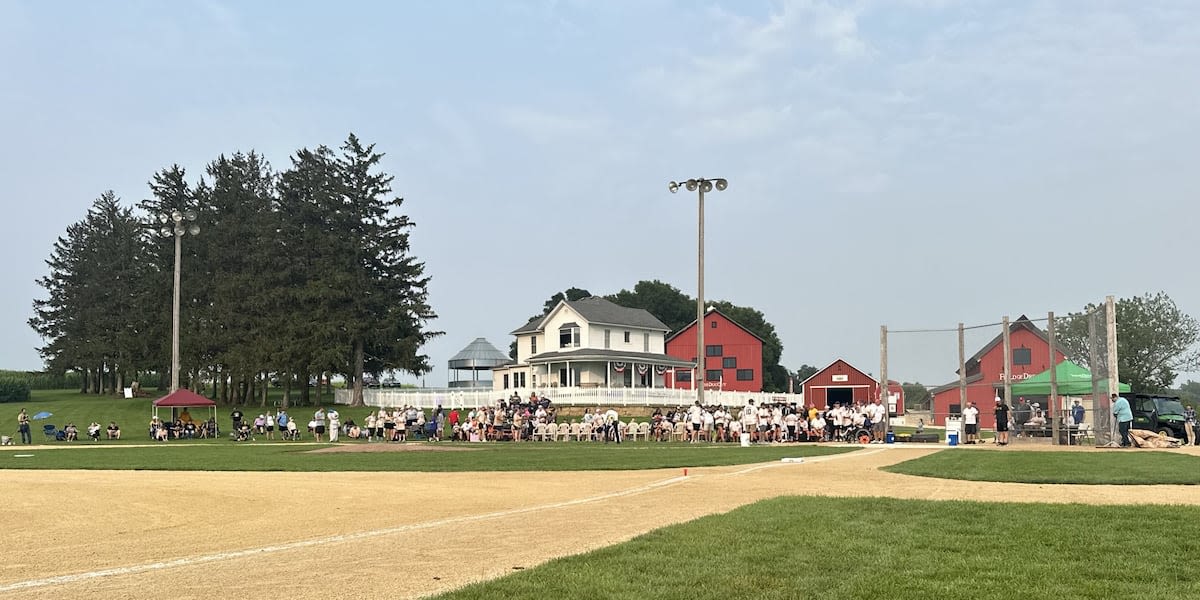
[[224, 455], [802, 547], [1115, 467]]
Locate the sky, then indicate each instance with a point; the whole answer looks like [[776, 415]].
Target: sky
[[908, 163]]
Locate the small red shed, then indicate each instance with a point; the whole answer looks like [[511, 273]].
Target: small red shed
[[841, 382]]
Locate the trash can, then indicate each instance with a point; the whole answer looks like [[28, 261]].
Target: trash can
[[952, 438], [745, 440], [891, 437]]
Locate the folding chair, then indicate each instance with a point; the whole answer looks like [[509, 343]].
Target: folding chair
[[50, 432]]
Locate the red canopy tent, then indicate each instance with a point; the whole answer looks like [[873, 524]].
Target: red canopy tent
[[184, 398]]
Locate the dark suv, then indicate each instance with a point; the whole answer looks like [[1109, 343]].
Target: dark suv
[[1162, 414]]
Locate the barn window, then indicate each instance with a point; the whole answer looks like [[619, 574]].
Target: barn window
[[1022, 356], [745, 374], [712, 324], [682, 375], [714, 350], [729, 362], [712, 375]]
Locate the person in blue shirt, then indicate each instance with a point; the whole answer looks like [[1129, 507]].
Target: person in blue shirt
[[1124, 416], [1077, 413]]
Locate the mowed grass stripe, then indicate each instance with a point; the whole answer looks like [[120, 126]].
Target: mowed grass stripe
[[807, 547], [1116, 467], [504, 456]]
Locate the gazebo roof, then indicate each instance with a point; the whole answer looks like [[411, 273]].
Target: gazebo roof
[[479, 355], [184, 397]]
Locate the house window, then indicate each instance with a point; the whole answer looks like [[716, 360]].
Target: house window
[[533, 345], [568, 337], [712, 325], [626, 337], [518, 380], [714, 350], [712, 375], [683, 376], [745, 374], [645, 342], [1022, 356], [506, 382], [729, 362], [607, 337]]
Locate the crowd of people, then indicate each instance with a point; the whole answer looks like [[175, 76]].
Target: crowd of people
[[519, 419]]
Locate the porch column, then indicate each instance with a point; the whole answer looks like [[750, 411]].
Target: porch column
[[608, 374]]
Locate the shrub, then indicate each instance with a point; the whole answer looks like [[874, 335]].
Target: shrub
[[13, 390]]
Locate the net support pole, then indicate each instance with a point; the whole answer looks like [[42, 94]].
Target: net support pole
[[1110, 326], [1007, 359], [962, 368], [883, 378], [1054, 408]]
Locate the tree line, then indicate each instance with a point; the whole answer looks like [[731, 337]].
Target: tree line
[[294, 274]]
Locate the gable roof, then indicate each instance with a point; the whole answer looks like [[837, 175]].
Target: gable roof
[[598, 311], [1022, 322], [836, 361], [713, 309]]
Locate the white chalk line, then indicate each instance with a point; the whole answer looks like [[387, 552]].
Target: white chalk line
[[333, 539], [825, 458]]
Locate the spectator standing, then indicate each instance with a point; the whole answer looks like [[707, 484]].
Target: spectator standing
[[1001, 422], [1189, 424], [282, 420], [23, 427], [612, 426], [318, 423], [236, 418], [335, 424], [1124, 417], [1077, 413], [970, 416], [270, 426], [695, 421]]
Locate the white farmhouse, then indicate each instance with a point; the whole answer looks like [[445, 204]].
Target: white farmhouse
[[589, 343]]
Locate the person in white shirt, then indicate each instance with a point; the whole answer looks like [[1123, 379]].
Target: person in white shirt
[[612, 426], [790, 422], [970, 416], [335, 424], [270, 426], [695, 421], [749, 419]]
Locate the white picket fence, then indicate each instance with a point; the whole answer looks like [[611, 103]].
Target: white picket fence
[[561, 396]]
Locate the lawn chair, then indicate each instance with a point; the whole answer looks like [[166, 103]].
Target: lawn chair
[[50, 431]]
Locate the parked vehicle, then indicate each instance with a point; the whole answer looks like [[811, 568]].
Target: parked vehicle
[[1158, 413]]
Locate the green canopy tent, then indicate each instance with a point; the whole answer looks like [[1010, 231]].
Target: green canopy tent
[[1073, 380]]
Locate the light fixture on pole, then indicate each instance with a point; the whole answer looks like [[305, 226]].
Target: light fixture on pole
[[177, 223], [702, 186]]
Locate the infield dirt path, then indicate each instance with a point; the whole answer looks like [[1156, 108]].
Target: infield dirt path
[[118, 534]]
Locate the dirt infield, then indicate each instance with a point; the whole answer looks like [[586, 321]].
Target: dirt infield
[[116, 534]]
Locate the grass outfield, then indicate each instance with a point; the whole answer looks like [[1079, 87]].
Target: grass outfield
[[802, 547], [1122, 467], [284, 456]]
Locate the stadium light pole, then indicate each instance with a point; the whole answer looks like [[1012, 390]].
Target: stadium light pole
[[702, 186], [177, 223]]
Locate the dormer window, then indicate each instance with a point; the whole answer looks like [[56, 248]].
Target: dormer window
[[568, 336]]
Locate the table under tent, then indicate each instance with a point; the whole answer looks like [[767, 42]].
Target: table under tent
[[180, 401]]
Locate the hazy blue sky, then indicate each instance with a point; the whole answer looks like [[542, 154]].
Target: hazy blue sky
[[911, 163]]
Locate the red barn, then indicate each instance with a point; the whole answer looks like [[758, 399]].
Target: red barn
[[841, 382], [985, 371], [733, 355]]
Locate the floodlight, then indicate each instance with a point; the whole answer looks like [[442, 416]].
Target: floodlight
[[189, 215], [194, 229], [165, 231], [706, 186], [176, 216], [721, 185], [691, 185], [674, 187]]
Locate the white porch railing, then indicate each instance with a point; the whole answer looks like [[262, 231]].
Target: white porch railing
[[561, 396]]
